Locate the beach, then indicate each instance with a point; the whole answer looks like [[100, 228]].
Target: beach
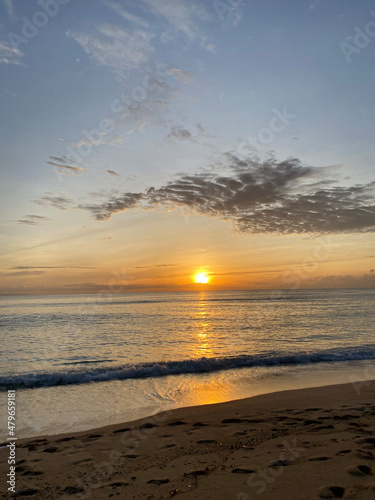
[[301, 444]]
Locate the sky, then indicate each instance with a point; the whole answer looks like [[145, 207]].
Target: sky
[[143, 142]]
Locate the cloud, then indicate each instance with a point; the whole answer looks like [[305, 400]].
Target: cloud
[[344, 281], [203, 132], [57, 200], [179, 133], [184, 76], [61, 163], [112, 172], [259, 196], [138, 21], [183, 16], [32, 220], [23, 273], [158, 265], [10, 55], [116, 48], [52, 267]]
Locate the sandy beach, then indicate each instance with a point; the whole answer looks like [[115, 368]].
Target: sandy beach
[[301, 444]]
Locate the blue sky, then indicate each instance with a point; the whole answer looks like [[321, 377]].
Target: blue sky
[[197, 80]]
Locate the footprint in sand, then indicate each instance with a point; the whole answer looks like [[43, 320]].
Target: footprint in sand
[[196, 473], [279, 463], [158, 481], [33, 472], [369, 442], [318, 459], [360, 471], [27, 492], [343, 452], [206, 441], [84, 460], [364, 454], [148, 425], [125, 429], [242, 470], [178, 422], [331, 492], [51, 449], [72, 490], [233, 421], [118, 484]]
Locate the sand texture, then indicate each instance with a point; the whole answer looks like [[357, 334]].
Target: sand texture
[[302, 444]]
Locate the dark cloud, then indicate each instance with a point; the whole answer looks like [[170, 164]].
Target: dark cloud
[[64, 166], [32, 220], [158, 265], [345, 281], [52, 267], [179, 133], [112, 172], [259, 196], [57, 200], [105, 210], [23, 273]]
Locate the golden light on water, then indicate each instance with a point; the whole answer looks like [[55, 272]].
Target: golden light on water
[[201, 278]]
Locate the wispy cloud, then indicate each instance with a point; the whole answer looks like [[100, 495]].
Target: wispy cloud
[[184, 76], [260, 196], [112, 172], [183, 16], [179, 133], [158, 265], [116, 48], [63, 166], [32, 220], [57, 200], [138, 21], [52, 267], [23, 273], [10, 55]]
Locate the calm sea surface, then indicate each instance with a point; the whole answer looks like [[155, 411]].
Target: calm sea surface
[[80, 361]]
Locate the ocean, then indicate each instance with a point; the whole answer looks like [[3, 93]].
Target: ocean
[[82, 361]]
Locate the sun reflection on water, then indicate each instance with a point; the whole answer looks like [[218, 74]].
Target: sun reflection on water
[[204, 337]]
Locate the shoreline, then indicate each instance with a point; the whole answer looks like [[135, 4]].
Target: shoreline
[[274, 445]]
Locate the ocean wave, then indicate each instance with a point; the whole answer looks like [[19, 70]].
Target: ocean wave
[[165, 368]]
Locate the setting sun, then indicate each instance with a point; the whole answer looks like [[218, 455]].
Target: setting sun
[[201, 278]]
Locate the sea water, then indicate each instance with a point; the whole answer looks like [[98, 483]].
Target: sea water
[[81, 361]]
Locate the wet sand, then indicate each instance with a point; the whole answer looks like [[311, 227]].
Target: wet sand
[[302, 444]]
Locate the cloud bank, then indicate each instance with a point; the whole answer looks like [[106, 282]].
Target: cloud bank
[[258, 196]]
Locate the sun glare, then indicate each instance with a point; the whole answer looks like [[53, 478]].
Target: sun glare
[[201, 278]]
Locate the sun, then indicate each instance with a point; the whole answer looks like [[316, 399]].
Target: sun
[[201, 278]]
